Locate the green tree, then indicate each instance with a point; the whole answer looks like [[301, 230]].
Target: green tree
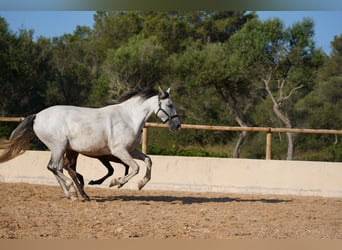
[[321, 108], [209, 68], [227, 94], [74, 67], [19, 72], [284, 60], [178, 30], [114, 28], [140, 63]]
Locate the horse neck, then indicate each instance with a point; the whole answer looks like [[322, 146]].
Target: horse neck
[[140, 110]]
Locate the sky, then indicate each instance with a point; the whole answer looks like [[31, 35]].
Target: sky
[[56, 23]]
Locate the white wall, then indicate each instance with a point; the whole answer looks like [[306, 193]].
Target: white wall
[[197, 174]]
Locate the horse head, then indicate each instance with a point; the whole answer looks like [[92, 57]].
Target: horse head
[[166, 110]]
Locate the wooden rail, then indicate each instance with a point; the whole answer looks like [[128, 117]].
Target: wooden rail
[[11, 119], [266, 130]]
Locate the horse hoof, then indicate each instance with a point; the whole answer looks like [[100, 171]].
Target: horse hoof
[[85, 197], [114, 182], [73, 198], [141, 184]]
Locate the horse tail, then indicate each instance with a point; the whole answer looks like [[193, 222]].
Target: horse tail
[[19, 140]]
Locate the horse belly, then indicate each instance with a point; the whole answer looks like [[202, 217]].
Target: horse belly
[[127, 139], [89, 143]]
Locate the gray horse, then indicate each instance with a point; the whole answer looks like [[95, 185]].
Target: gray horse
[[111, 130]]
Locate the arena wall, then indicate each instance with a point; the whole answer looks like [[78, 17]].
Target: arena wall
[[197, 174]]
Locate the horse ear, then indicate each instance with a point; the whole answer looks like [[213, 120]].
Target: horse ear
[[163, 94], [168, 90]]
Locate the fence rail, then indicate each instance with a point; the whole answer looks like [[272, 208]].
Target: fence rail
[[11, 119], [267, 130]]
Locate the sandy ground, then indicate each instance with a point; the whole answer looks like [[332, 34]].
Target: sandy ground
[[30, 211]]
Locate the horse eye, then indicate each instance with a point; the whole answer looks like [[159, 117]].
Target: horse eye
[[170, 106]]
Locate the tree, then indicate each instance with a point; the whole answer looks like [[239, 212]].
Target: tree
[[178, 30], [114, 28], [212, 66], [321, 108], [138, 64], [212, 74], [283, 60], [170, 29], [74, 66], [20, 82]]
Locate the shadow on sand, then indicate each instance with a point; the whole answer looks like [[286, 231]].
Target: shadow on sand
[[184, 199]]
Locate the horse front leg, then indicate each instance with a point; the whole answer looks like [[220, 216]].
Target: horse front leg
[[127, 159], [106, 159], [110, 170], [140, 156]]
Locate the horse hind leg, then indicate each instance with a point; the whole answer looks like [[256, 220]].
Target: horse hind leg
[[73, 175], [60, 181], [78, 175], [70, 165], [56, 167]]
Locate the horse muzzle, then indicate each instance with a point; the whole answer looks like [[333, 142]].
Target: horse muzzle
[[174, 124]]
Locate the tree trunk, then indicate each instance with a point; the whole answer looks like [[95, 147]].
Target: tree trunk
[[290, 146], [231, 103], [243, 135], [282, 116], [290, 136], [239, 144]]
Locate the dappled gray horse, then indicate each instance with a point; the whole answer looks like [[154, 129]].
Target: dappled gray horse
[[111, 130]]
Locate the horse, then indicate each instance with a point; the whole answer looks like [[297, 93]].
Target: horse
[[110, 130]]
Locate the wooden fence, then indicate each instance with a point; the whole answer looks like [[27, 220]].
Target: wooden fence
[[11, 119], [266, 130]]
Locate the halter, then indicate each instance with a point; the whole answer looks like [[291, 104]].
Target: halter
[[169, 117]]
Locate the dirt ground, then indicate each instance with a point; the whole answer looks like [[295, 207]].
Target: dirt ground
[[30, 211]]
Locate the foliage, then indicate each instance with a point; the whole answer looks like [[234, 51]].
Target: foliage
[[20, 76], [137, 64]]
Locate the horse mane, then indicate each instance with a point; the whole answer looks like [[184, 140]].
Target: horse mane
[[145, 94]]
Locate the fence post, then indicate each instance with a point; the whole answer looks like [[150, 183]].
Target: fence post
[[269, 144], [144, 140]]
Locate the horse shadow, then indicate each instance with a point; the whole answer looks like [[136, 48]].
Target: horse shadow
[[187, 200]]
